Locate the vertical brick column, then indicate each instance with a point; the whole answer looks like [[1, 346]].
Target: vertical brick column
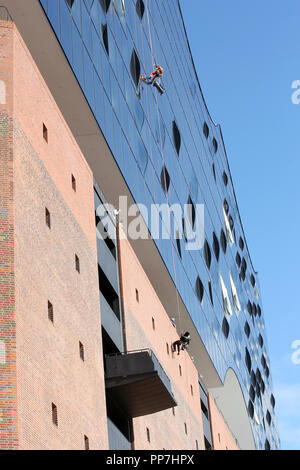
[[8, 392]]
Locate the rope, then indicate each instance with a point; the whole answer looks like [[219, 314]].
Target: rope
[[165, 175]]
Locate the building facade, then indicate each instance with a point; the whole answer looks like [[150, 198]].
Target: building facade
[[88, 313]]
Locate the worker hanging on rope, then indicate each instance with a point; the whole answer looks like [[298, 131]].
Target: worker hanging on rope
[[182, 343], [154, 78]]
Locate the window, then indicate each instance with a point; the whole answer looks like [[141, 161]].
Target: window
[[119, 6], [70, 3], [197, 445], [226, 206], [168, 349], [81, 351], [241, 243], [180, 370], [225, 178], [267, 445], [214, 172], [191, 211], [252, 280], [48, 218], [223, 240], [178, 244], [210, 293], [153, 324], [176, 137], [185, 428], [54, 414], [199, 289], [148, 434], [206, 130], [105, 5], [105, 37], [248, 360], [204, 409], [173, 411], [137, 295], [73, 183], [165, 180], [77, 264], [251, 409], [50, 312], [192, 391], [238, 259], [86, 443], [272, 399], [140, 8], [45, 133], [216, 246], [225, 328], [252, 393], [215, 145], [247, 329], [207, 254], [135, 68]]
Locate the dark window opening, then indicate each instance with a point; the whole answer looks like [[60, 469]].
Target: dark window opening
[[252, 393], [153, 324], [242, 274], [251, 409], [191, 211], [206, 130], [70, 3], [262, 387], [238, 259], [105, 5], [148, 434], [248, 361], [244, 264], [263, 361], [178, 244], [249, 307], [109, 293], [81, 351], [231, 222], [225, 328], [259, 311], [207, 444], [207, 254], [210, 293], [199, 289], [253, 379], [247, 329], [226, 206], [272, 399], [267, 445], [214, 172], [74, 183], [77, 264], [137, 297], [185, 428], [176, 137], [168, 348], [116, 414], [140, 8], [225, 178], [216, 246], [165, 180], [48, 218], [135, 68], [215, 145], [86, 443], [223, 240], [180, 371], [254, 309], [45, 133], [241, 243], [54, 414], [204, 410], [105, 37], [258, 375], [252, 280], [50, 312]]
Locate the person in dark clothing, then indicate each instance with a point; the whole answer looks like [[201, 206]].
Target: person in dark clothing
[[182, 343]]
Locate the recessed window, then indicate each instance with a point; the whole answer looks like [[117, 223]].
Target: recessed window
[[105, 5], [48, 218], [251, 409], [254, 309], [223, 240], [185, 428], [206, 130], [165, 180], [191, 211], [210, 293], [225, 328], [199, 289], [105, 37], [207, 254], [231, 222], [249, 307], [45, 133], [119, 6], [77, 264], [248, 361], [272, 399], [148, 434], [263, 361], [173, 411], [50, 312], [244, 264], [214, 172], [153, 324], [54, 414], [226, 206], [241, 243], [73, 179], [178, 244], [176, 137], [238, 259], [197, 445], [86, 443], [267, 371], [192, 391], [262, 386], [216, 246], [267, 445], [135, 68], [70, 3], [247, 329], [259, 311], [81, 351], [215, 145], [180, 370], [252, 393], [168, 348], [242, 274], [258, 375], [225, 178], [253, 379], [252, 280], [140, 8], [137, 296]]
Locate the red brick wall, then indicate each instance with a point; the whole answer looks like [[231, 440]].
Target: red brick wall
[[221, 435], [8, 390], [166, 430]]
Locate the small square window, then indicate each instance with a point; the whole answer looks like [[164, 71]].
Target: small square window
[[74, 183], [81, 351], [54, 414], [47, 218], [77, 264], [45, 133], [50, 312]]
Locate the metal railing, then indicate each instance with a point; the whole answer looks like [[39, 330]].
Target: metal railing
[[4, 14]]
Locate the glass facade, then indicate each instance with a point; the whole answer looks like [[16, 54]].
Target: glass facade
[[108, 44]]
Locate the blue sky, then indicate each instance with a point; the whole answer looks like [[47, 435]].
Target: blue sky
[[247, 56]]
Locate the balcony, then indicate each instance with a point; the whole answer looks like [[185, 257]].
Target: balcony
[[139, 383]]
